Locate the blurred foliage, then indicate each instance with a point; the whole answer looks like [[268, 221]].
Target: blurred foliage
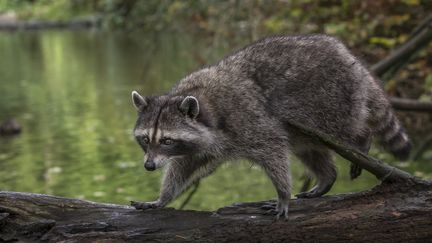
[[378, 21], [371, 28], [47, 9], [383, 23]]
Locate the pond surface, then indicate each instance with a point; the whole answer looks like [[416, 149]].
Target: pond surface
[[71, 93]]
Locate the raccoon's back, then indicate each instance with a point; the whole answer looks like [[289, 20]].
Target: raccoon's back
[[310, 79], [316, 81], [313, 80]]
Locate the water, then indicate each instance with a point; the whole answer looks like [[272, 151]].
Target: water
[[71, 93]]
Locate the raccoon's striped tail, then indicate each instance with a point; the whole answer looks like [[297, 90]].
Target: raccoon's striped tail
[[393, 136]]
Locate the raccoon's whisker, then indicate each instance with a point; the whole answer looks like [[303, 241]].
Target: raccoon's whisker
[[176, 161]]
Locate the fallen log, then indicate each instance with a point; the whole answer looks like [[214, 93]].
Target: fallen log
[[396, 212]]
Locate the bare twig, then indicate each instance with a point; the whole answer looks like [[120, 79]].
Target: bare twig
[[188, 198]]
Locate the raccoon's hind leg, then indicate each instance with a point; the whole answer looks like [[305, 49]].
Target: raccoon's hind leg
[[320, 163], [363, 144]]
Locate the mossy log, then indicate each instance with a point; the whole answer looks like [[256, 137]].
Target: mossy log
[[391, 212]]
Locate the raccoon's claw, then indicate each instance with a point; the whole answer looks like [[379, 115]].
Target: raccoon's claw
[[144, 205], [271, 211], [269, 206], [317, 191], [310, 194], [282, 209], [355, 171], [305, 195]]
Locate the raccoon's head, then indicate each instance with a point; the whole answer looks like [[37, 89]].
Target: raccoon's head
[[171, 129]]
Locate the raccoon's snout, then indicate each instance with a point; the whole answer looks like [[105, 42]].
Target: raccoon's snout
[[150, 165]]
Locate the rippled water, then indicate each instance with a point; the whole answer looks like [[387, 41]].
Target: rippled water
[[71, 93]]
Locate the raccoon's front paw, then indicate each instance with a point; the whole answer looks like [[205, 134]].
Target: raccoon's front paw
[[145, 205], [280, 209]]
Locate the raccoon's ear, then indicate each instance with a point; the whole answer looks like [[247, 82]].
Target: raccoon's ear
[[190, 107], [138, 101]]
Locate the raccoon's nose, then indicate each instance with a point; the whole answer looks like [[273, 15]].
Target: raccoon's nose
[[150, 165]]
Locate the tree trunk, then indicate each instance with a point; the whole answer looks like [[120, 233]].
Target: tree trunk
[[391, 212]]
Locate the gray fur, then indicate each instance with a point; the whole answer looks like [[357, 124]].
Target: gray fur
[[242, 107]]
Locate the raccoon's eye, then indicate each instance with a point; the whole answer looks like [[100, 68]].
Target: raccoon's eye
[[167, 141], [144, 140]]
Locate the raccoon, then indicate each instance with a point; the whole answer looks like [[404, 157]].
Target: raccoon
[[239, 108]]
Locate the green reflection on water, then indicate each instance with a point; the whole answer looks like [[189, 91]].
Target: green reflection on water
[[70, 91]]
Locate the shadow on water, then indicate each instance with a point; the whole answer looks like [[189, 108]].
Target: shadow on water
[[70, 91]]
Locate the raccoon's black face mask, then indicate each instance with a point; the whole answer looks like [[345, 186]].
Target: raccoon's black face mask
[[169, 128]]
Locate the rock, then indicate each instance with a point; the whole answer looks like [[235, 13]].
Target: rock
[[10, 127]]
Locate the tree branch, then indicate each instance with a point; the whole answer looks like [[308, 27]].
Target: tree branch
[[420, 36], [403, 52], [423, 24], [403, 104]]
